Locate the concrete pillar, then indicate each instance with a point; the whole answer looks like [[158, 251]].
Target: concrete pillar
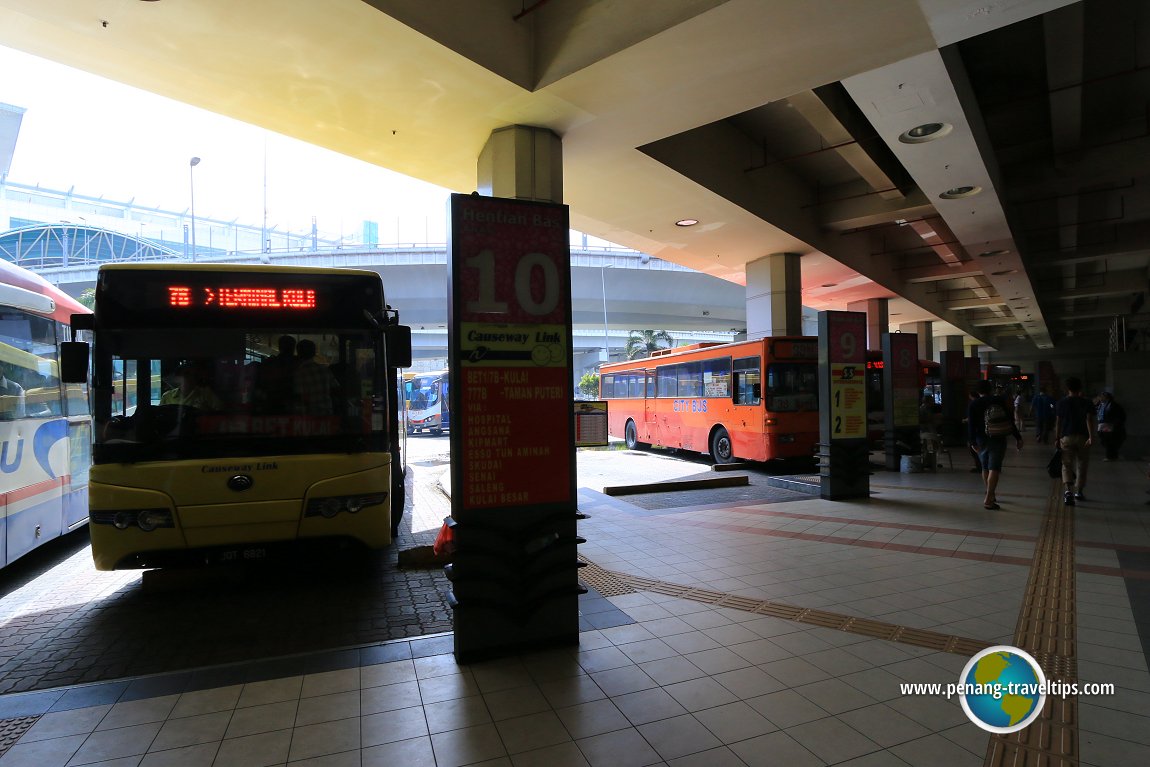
[[521, 162], [877, 319], [948, 344], [774, 296], [1126, 376], [925, 340], [975, 349]]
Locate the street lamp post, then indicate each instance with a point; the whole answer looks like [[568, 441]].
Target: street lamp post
[[192, 163], [603, 280]]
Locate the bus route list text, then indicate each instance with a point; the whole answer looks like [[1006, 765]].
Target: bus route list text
[[488, 436]]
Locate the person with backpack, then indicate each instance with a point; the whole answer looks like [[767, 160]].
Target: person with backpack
[[1111, 425], [1075, 426], [989, 422]]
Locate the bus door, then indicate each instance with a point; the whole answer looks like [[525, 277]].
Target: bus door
[[669, 428], [748, 390], [649, 415]]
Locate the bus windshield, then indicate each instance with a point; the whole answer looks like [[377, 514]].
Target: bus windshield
[[424, 392], [229, 393], [792, 387]]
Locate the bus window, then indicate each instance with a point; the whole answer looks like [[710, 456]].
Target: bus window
[[717, 377], [750, 380], [650, 384], [690, 377], [792, 387], [29, 386], [635, 384], [668, 385]]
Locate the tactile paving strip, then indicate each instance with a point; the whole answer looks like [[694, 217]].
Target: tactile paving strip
[[1047, 630], [12, 729], [610, 584]]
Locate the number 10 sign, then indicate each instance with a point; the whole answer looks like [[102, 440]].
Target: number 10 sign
[[510, 354]]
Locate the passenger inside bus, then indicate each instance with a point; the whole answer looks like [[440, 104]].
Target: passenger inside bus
[[12, 401], [274, 379], [191, 389], [314, 383]]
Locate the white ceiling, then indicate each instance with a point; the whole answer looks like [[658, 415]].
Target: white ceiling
[[775, 123]]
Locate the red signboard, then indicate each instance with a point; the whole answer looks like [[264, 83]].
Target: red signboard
[[904, 388], [511, 354], [846, 353]]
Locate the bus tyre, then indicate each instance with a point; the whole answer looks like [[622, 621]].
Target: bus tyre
[[631, 436], [721, 450]]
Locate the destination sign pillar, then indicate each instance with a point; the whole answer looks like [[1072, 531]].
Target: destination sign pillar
[[513, 501], [952, 369], [902, 396], [844, 458]]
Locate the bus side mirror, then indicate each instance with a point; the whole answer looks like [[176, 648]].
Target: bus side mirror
[[74, 362], [397, 344]]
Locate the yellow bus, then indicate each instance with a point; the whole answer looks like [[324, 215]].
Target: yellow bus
[[241, 411]]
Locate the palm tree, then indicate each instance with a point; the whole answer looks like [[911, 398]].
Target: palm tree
[[642, 342]]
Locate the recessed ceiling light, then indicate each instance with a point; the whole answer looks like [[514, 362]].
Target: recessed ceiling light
[[959, 192], [920, 134], [686, 222]]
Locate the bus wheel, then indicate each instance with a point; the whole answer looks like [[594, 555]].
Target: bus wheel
[[721, 451], [631, 435]]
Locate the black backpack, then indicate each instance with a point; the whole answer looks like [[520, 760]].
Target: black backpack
[[996, 418]]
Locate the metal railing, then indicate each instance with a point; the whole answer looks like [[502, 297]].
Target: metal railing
[[1130, 333]]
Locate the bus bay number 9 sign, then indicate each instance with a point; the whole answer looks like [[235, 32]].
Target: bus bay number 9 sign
[[847, 357]]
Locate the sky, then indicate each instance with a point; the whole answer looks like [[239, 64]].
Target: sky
[[107, 139]]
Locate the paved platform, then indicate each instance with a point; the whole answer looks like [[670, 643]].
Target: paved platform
[[718, 632]]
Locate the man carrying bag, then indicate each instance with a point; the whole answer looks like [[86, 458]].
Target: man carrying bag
[[1074, 430]]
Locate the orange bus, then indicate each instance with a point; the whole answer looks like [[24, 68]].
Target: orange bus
[[710, 398]]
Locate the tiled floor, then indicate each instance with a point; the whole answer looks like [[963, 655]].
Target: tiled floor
[[667, 679]]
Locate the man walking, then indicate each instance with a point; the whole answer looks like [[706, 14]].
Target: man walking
[[989, 421], [1074, 428]]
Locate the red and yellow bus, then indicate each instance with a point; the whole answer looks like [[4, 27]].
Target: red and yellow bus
[[710, 398]]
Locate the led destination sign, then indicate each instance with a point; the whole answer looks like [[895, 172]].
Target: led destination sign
[[241, 297], [255, 298]]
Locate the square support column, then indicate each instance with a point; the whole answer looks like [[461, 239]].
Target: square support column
[[877, 319], [521, 162], [925, 340], [774, 296]]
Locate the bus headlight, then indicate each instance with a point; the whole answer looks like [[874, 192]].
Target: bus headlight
[[145, 519], [150, 519], [333, 505]]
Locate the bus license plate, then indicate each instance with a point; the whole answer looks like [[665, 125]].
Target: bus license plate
[[243, 555]]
